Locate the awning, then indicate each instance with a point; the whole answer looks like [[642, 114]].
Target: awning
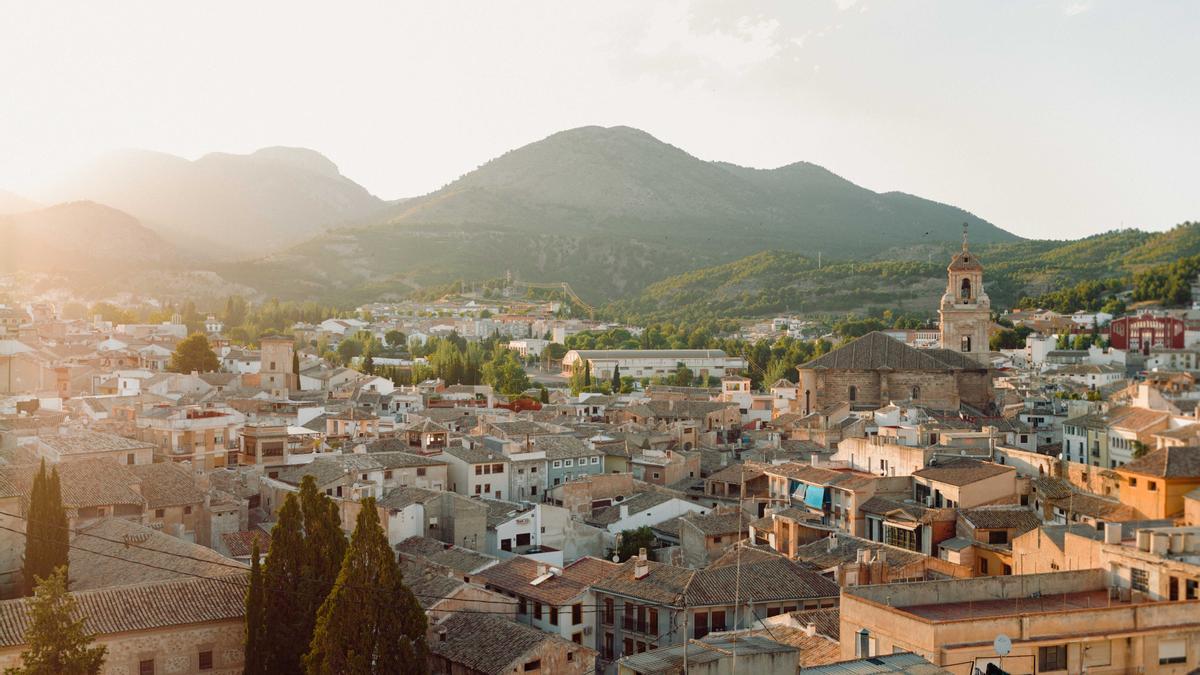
[[815, 497]]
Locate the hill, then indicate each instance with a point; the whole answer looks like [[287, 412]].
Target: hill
[[78, 237], [1043, 271], [243, 204], [610, 210], [14, 203]]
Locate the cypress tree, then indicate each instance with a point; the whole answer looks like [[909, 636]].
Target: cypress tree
[[47, 538], [616, 379], [254, 647], [284, 634], [58, 642], [371, 622], [324, 546]]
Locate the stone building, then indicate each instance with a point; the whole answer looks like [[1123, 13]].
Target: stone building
[[874, 370], [965, 310]]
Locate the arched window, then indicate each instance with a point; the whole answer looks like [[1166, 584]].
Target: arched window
[[965, 291], [853, 393], [916, 393], [807, 401], [862, 647], [966, 343]]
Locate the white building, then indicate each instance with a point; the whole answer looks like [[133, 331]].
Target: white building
[[640, 363]]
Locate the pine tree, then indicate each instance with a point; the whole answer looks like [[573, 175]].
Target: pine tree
[[58, 642], [254, 647], [371, 622], [47, 538], [194, 353], [284, 634]]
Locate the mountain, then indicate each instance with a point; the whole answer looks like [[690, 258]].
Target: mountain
[[1057, 273], [609, 210], [246, 204], [79, 237], [14, 203]]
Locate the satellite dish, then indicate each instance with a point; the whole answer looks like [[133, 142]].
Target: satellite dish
[[1002, 644]]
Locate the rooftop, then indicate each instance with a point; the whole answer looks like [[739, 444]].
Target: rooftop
[[876, 351], [963, 471], [487, 643], [85, 442]]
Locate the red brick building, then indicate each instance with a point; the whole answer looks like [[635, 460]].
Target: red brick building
[[1141, 332]]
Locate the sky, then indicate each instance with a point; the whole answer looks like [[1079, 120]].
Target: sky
[[1050, 118]]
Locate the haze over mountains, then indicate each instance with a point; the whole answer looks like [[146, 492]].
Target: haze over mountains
[[609, 210], [240, 204]]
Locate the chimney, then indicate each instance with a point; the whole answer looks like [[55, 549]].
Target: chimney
[[642, 554], [880, 556], [542, 569], [832, 541], [1112, 533], [640, 568], [1159, 543], [810, 629], [813, 458], [1143, 541], [861, 555]]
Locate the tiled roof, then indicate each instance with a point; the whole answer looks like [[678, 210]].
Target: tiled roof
[[877, 351], [85, 483], [110, 552], [241, 544], [765, 578], [563, 447], [475, 455], [144, 606], [737, 473], [84, 442], [902, 510], [1171, 462], [1095, 506], [167, 484], [842, 548], [403, 497], [501, 511], [429, 585], [716, 523], [450, 556], [515, 574], [635, 504], [827, 621], [404, 460], [963, 471], [1017, 518], [487, 643]]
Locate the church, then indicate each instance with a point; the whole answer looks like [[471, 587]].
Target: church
[[875, 369]]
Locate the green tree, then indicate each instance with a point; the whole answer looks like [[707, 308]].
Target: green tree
[[254, 661], [47, 537], [58, 642], [324, 545], [616, 378], [544, 396], [634, 540], [348, 349], [285, 632], [682, 377], [371, 622], [505, 373], [395, 338], [194, 353]]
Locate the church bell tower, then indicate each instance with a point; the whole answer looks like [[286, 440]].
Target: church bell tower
[[965, 312]]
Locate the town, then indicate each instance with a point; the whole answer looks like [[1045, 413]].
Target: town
[[552, 492]]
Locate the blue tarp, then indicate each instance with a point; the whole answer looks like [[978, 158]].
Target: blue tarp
[[815, 497]]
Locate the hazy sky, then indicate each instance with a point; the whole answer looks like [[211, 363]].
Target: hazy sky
[[1054, 118]]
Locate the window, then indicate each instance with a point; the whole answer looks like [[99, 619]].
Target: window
[[421, 471], [997, 536], [159, 513], [718, 620], [701, 625], [656, 474], [387, 475], [557, 464], [506, 544], [608, 612], [537, 610], [1132, 482], [1172, 651], [1139, 580], [916, 393], [478, 469], [641, 647], [523, 539], [206, 661], [628, 645], [533, 665], [577, 638], [522, 606], [577, 614], [1052, 658], [497, 468], [652, 621], [533, 469], [187, 510], [146, 667], [641, 619], [608, 646], [853, 395], [1151, 485], [595, 460], [130, 459], [965, 344], [568, 462], [478, 489], [983, 567], [553, 616], [864, 645]]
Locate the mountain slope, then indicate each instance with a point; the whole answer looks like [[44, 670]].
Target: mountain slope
[[240, 203], [775, 281], [609, 210], [78, 237], [15, 203]]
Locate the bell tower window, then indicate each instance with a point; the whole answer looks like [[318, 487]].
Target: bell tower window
[[965, 291], [966, 343]]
